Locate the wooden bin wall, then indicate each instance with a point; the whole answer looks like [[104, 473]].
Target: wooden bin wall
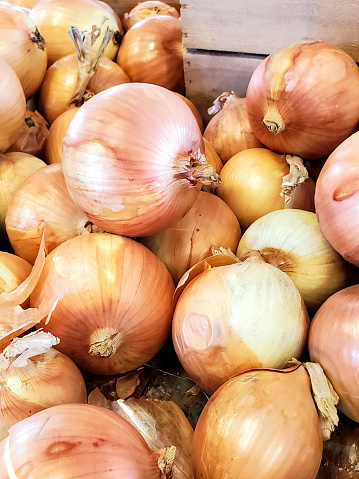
[[226, 39]]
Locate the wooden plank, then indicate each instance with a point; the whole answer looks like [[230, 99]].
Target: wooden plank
[[263, 26], [124, 6], [208, 74]]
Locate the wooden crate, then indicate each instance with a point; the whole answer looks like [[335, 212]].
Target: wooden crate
[[226, 39]]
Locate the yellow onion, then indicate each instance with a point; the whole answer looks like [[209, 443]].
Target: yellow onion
[[55, 17], [264, 424], [75, 78], [23, 3], [13, 271], [258, 181], [43, 200], [229, 130], [81, 440], [212, 159], [147, 9], [33, 135], [35, 376], [138, 165], [53, 148], [193, 109], [15, 168], [238, 316], [152, 52], [114, 306], [291, 240], [23, 47], [12, 106], [334, 343], [304, 99], [209, 222], [337, 199]]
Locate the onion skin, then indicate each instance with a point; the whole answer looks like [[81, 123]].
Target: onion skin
[[123, 299], [13, 271], [333, 342], [337, 199], [57, 131], [152, 52], [98, 443], [262, 424], [308, 94]]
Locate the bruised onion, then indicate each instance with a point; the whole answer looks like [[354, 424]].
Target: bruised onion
[[57, 131], [142, 173], [33, 135], [147, 9], [152, 52], [304, 99], [114, 307], [229, 130]]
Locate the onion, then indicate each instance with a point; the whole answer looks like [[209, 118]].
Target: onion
[[193, 109], [263, 424], [80, 440], [23, 47], [258, 181], [147, 9], [12, 106], [212, 157], [136, 168], [152, 52], [75, 78], [209, 222], [34, 376], [57, 131], [43, 199], [13, 271], [33, 135], [240, 316], [14, 169], [229, 130], [55, 17], [23, 3], [291, 241], [334, 343], [337, 199], [115, 302], [304, 99]]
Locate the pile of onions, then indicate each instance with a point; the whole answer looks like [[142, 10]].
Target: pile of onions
[[147, 9], [57, 131], [334, 342], [43, 199], [33, 135], [152, 52], [95, 443], [229, 130], [12, 106], [257, 181], [304, 99], [264, 424], [35, 376], [209, 222], [238, 316], [337, 199], [15, 168], [114, 306], [140, 171], [13, 271], [23, 47], [55, 17], [291, 240]]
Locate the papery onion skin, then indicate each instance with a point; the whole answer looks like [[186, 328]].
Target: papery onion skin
[[262, 424], [337, 199], [147, 9], [33, 135], [59, 84], [13, 271], [251, 185], [152, 52], [122, 313], [333, 342], [77, 440], [57, 131], [209, 222], [43, 199], [211, 156], [308, 94], [130, 169], [220, 327], [12, 106], [291, 240]]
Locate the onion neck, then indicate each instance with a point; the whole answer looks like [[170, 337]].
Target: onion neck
[[273, 120], [37, 38], [195, 169], [165, 461], [220, 102], [105, 342]]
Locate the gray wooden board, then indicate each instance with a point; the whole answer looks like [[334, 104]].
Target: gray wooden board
[[263, 26], [208, 74]]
